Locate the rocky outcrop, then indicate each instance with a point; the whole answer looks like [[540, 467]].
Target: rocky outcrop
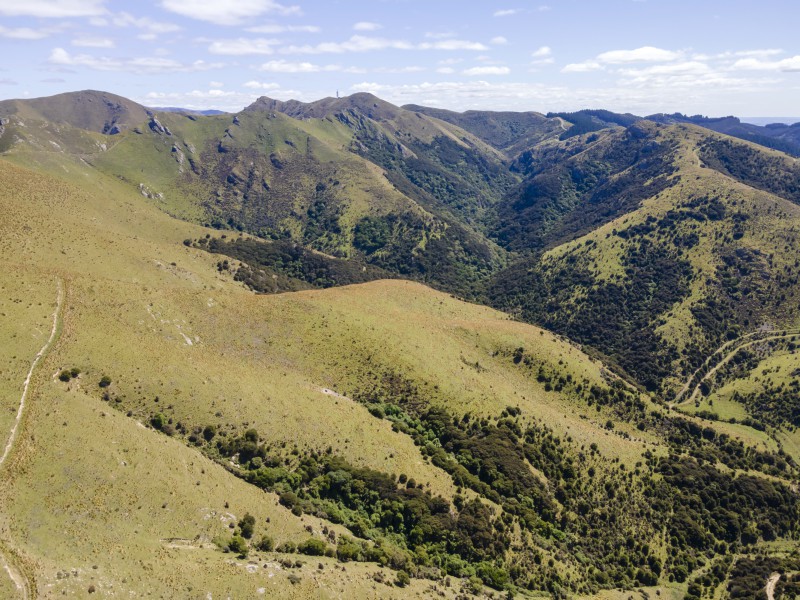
[[148, 193], [180, 158], [157, 127]]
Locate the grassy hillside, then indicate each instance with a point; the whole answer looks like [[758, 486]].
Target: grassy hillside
[[511, 428], [390, 440]]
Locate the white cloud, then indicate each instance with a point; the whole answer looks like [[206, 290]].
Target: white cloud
[[360, 43], [147, 24], [242, 47], [215, 84], [505, 12], [691, 74], [487, 71], [500, 94], [643, 54], [452, 45], [357, 43], [584, 67], [619, 57], [499, 40], [760, 52], [258, 85], [791, 64], [543, 56], [439, 35], [227, 12], [273, 28], [445, 70], [409, 69], [283, 66], [25, 33], [88, 42], [367, 26], [57, 9], [542, 52], [149, 64]]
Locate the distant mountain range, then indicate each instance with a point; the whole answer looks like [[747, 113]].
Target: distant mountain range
[[762, 121]]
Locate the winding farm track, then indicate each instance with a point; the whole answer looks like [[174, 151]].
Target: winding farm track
[[20, 411], [18, 577], [740, 344]]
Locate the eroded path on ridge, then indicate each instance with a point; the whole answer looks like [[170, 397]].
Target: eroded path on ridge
[[17, 576]]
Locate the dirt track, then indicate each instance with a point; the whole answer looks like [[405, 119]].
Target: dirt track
[[18, 577]]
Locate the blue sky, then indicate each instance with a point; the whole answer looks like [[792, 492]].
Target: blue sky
[[712, 57]]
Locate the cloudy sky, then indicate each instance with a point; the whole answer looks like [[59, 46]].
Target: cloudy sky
[[713, 57]]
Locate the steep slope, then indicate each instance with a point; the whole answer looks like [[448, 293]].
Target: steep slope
[[510, 132], [440, 165], [277, 177], [687, 259], [580, 184]]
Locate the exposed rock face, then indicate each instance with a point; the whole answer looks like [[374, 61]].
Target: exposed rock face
[[157, 127], [179, 157], [3, 123]]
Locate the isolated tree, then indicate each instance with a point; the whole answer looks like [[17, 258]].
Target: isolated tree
[[247, 525]]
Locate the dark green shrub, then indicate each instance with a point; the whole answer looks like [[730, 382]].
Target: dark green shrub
[[238, 545], [402, 579], [266, 544], [312, 547]]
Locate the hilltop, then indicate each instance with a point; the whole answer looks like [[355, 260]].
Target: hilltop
[[91, 110]]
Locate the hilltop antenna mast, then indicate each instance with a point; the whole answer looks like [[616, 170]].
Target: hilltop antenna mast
[[337, 94]]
